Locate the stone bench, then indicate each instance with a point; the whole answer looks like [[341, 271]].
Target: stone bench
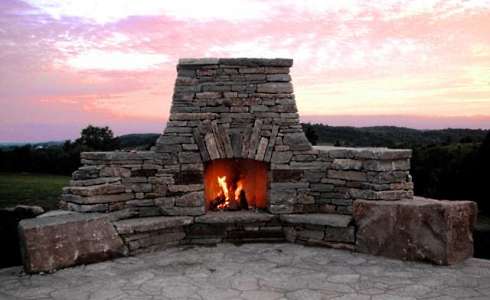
[[420, 229], [331, 230], [152, 233], [59, 241]]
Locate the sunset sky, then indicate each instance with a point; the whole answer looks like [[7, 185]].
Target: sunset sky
[[66, 64]]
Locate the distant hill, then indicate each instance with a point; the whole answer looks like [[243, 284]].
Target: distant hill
[[390, 136], [141, 141], [378, 136], [49, 144]]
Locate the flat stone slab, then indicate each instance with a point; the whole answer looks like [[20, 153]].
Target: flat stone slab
[[420, 229], [147, 224], [225, 217], [254, 271], [333, 220], [51, 243], [365, 152]]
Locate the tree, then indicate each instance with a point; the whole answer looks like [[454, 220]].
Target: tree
[[310, 133], [94, 138]]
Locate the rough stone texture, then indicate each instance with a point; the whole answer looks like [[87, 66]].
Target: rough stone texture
[[332, 220], [150, 224], [254, 271], [420, 229], [234, 217], [51, 243]]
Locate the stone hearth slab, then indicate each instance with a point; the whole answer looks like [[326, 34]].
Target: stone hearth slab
[[421, 229], [234, 217], [55, 242], [333, 220], [150, 224]]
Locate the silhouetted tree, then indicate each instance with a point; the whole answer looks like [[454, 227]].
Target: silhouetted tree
[[310, 133], [97, 139]]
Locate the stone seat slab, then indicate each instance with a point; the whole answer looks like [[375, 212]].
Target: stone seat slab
[[63, 240], [380, 153], [146, 224], [227, 217], [332, 220], [436, 231]]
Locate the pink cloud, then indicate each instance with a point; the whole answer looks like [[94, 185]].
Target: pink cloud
[[64, 63]]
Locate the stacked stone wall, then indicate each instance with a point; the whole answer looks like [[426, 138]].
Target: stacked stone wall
[[236, 108]]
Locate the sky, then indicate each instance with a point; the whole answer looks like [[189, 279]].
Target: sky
[[69, 63]]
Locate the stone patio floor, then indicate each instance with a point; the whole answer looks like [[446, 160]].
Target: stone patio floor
[[253, 271]]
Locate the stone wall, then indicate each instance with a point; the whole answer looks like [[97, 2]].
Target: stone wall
[[236, 108]]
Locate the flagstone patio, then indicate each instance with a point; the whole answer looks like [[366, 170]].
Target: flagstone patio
[[253, 271]]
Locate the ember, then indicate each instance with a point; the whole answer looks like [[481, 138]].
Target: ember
[[235, 184]]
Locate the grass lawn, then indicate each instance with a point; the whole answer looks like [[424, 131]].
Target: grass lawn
[[31, 189]]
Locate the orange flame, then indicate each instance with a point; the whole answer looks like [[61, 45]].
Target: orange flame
[[224, 189], [239, 188], [227, 191]]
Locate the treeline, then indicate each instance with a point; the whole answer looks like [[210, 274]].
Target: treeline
[[64, 157], [389, 136]]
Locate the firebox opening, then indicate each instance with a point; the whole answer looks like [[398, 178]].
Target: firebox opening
[[235, 184]]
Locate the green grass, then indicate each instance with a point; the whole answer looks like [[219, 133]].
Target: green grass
[[31, 189]]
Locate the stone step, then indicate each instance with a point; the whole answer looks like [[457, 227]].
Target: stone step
[[227, 217], [331, 220], [139, 225]]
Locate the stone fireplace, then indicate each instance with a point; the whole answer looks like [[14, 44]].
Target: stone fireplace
[[233, 165], [237, 116]]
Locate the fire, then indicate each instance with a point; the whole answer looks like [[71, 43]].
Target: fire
[[235, 184], [223, 192], [230, 197], [238, 190]]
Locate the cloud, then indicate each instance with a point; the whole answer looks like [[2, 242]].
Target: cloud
[[114, 10], [107, 60], [118, 61]]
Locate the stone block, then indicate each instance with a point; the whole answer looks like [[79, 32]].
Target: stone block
[[140, 225], [56, 242], [190, 200], [86, 172], [114, 171], [280, 157], [231, 217], [347, 175], [275, 87], [189, 157], [332, 220], [287, 175], [96, 181], [183, 211], [346, 164], [421, 229], [256, 62], [279, 77], [98, 198], [103, 189]]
